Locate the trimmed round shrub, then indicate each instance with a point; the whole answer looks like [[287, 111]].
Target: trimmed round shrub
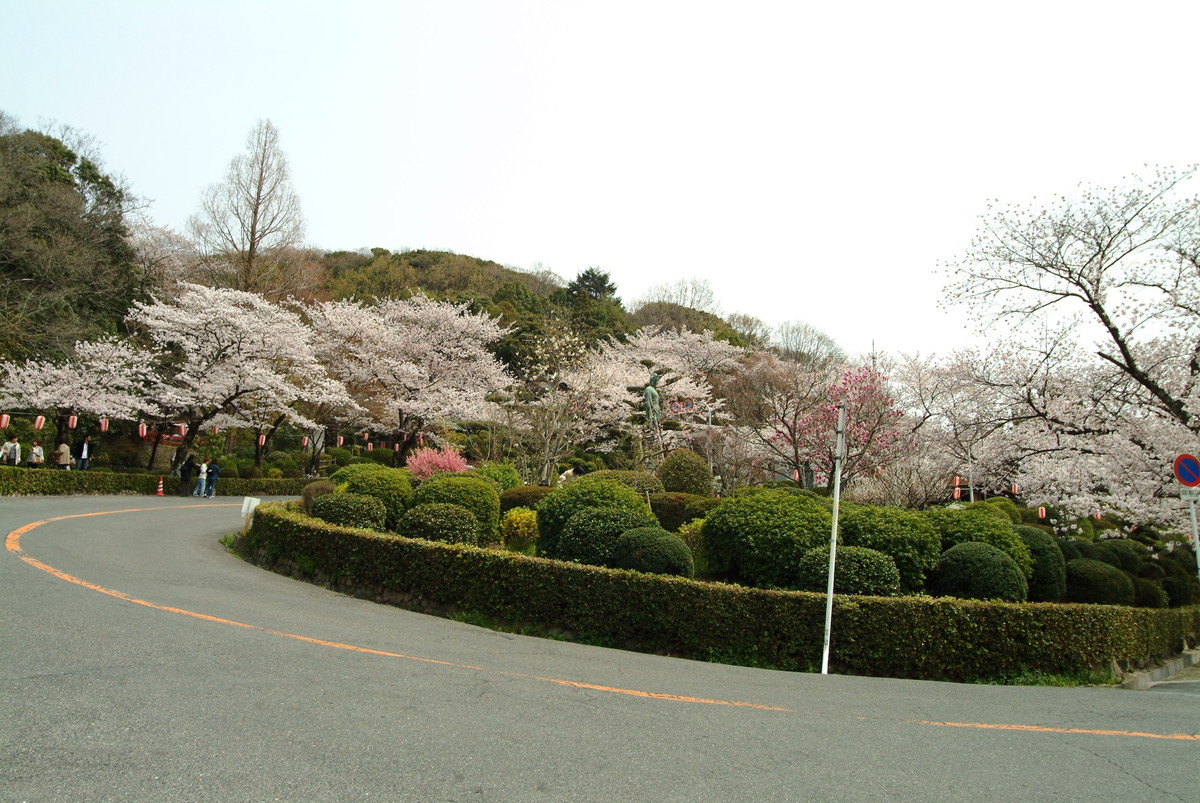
[[698, 507], [591, 535], [959, 525], [350, 510], [588, 491], [437, 521], [683, 471], [311, 492], [905, 535], [518, 529], [389, 485], [1069, 547], [529, 496], [1049, 580], [975, 570], [1007, 505], [476, 494], [1179, 582], [993, 510], [349, 470], [672, 509], [1098, 583], [1130, 554], [1147, 594], [654, 551], [340, 456], [280, 460], [858, 571], [761, 538], [504, 475], [641, 481]]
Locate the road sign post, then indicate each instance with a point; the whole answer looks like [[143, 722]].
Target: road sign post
[[1187, 471]]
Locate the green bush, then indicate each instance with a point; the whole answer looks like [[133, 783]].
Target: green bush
[[905, 535], [960, 525], [1102, 552], [1008, 506], [641, 481], [580, 494], [350, 510], [312, 491], [505, 475], [437, 521], [1147, 594], [529, 496], [698, 507], [761, 538], [518, 529], [939, 639], [674, 509], [280, 460], [1130, 554], [683, 471], [654, 551], [993, 509], [340, 455], [1049, 580], [858, 571], [590, 535], [476, 494], [1069, 547], [1098, 583], [391, 486], [975, 570]]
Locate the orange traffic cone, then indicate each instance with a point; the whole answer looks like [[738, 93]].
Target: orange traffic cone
[[160, 493]]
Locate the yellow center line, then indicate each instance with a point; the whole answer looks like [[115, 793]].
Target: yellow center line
[[13, 544], [1187, 737]]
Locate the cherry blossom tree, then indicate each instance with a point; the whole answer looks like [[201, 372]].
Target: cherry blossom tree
[[411, 364], [221, 352], [104, 378]]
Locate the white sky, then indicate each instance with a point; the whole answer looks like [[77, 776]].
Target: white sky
[[813, 162]]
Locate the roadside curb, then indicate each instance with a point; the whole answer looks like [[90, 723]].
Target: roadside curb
[[1144, 680]]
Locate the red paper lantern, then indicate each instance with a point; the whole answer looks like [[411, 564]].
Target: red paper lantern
[[1015, 489], [341, 440], [142, 430], [215, 429], [1041, 512], [796, 474], [957, 481], [304, 442], [104, 425], [396, 447], [957, 492], [4, 419], [1097, 515], [182, 429], [72, 421], [262, 440], [366, 436], [39, 422], [370, 446]]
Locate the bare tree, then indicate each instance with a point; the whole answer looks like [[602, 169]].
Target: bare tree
[[694, 293], [806, 344], [249, 226]]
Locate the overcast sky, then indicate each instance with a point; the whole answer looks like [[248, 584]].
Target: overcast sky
[[812, 162]]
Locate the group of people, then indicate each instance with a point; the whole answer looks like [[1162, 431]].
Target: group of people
[[206, 473], [63, 457]]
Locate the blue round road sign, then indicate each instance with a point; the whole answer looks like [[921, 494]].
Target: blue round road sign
[[1187, 470]]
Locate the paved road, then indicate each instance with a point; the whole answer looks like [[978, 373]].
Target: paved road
[[140, 661]]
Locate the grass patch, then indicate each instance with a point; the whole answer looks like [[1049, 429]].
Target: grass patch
[[1034, 678]]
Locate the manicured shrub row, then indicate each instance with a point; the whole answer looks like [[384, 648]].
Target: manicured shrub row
[[894, 636], [51, 482]]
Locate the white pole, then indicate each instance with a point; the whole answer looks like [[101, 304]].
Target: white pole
[[1195, 534], [837, 492]]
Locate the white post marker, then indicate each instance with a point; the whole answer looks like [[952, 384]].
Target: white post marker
[[837, 492], [248, 505]]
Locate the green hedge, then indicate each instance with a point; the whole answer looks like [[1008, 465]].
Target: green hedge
[[52, 482], [893, 637]]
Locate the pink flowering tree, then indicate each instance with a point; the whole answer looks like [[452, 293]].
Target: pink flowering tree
[[424, 463], [873, 435]]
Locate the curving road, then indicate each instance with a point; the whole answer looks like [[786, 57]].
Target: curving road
[[140, 661]]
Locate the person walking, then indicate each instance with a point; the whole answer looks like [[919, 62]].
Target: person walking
[[186, 472], [10, 453], [37, 455], [62, 456], [214, 471], [201, 478]]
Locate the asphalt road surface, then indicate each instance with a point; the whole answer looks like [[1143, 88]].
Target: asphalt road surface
[[141, 661]]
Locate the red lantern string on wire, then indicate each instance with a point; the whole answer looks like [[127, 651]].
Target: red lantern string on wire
[[104, 425], [39, 422], [1041, 512], [1097, 515], [957, 492], [341, 440], [262, 440], [215, 429], [183, 428], [4, 419], [1016, 488], [72, 421], [370, 446], [304, 442], [141, 429]]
